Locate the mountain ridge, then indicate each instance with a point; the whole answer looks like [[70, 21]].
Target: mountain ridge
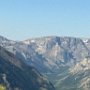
[[56, 57]]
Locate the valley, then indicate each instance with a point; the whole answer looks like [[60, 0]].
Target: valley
[[65, 61]]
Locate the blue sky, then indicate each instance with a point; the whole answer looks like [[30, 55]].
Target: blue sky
[[22, 19]]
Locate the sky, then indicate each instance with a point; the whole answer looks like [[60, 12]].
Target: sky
[[23, 19]]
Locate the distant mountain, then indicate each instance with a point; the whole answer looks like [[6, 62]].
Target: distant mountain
[[58, 58], [16, 75]]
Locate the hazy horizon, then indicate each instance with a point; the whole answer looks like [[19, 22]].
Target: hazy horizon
[[43, 37], [23, 19]]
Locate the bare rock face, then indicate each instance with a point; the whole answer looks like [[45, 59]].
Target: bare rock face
[[64, 60]]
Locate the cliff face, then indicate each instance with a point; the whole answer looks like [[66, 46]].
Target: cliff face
[[49, 53]]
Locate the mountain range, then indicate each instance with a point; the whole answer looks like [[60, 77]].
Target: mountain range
[[63, 60]]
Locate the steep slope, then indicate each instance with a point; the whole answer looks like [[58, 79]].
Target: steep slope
[[16, 75], [56, 57], [58, 51], [77, 77], [50, 53]]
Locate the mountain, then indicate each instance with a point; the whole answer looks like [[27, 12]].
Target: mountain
[[16, 75], [76, 77], [52, 52], [58, 58]]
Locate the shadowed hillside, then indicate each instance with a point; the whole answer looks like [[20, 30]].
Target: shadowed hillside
[[15, 75]]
